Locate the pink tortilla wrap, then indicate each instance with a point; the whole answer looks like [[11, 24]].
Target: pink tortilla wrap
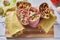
[[34, 22]]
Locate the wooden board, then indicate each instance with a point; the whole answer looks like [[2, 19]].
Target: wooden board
[[33, 33]]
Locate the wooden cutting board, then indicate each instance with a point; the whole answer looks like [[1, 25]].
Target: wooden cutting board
[[33, 33]]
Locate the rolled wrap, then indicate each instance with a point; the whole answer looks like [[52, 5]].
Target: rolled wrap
[[12, 24], [23, 16], [34, 22]]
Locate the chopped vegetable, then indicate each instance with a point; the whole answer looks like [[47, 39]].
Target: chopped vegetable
[[33, 15], [43, 7], [46, 13], [6, 3], [23, 4]]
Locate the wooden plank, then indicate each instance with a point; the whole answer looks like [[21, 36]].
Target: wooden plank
[[34, 32]]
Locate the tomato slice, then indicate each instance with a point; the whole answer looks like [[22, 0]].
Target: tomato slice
[[55, 1]]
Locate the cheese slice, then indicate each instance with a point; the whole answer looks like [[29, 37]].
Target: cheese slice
[[46, 24], [12, 24]]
